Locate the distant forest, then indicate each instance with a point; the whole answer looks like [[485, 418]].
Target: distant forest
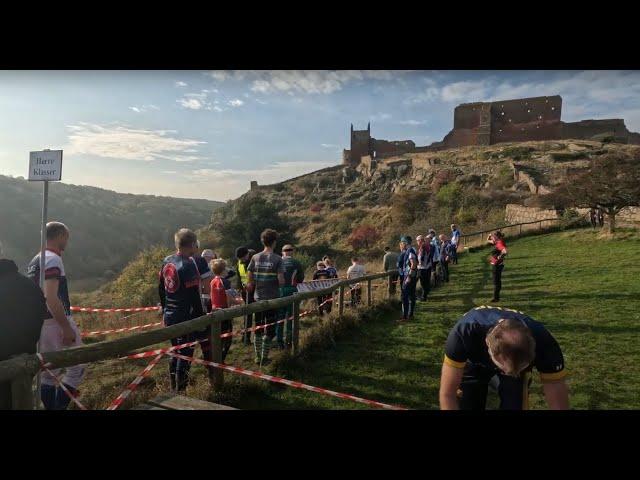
[[108, 229]]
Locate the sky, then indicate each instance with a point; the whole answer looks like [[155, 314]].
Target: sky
[[207, 134]]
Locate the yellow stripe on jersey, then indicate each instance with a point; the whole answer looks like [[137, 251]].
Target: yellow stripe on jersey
[[550, 377], [453, 363]]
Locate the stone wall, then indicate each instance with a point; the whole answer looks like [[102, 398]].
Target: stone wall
[[520, 214]]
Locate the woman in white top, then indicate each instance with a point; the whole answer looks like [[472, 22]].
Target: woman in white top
[[354, 271]]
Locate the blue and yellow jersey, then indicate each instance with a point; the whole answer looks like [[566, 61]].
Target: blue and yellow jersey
[[466, 342]]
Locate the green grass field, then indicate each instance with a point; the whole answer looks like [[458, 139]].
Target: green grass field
[[583, 286]]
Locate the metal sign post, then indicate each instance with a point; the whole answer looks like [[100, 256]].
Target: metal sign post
[[44, 166]]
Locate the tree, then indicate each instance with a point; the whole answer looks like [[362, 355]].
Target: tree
[[250, 216], [611, 183], [407, 206], [363, 236]]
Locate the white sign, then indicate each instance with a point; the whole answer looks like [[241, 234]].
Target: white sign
[[317, 285], [45, 165]]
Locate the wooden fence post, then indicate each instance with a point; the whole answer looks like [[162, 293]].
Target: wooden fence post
[[216, 353], [22, 392], [368, 293], [341, 301], [295, 328]]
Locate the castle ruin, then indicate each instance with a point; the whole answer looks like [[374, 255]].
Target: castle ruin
[[488, 123]]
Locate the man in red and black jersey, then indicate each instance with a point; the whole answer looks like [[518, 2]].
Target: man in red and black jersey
[[497, 262], [179, 290]]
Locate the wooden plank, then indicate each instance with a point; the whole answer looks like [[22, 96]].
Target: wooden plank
[[181, 402], [341, 301]]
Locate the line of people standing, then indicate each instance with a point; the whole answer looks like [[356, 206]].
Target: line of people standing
[[428, 264]]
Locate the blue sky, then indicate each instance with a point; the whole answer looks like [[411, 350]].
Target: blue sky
[[206, 134]]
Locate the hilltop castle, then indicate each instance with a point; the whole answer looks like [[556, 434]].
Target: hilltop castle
[[487, 123]]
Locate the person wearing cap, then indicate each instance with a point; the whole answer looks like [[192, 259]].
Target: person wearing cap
[[243, 256], [321, 273], [410, 279], [293, 275]]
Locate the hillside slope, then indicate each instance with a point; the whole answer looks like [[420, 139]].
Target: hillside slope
[[468, 185], [107, 228]]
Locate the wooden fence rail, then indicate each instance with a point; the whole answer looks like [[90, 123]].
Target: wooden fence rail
[[479, 238], [21, 369]]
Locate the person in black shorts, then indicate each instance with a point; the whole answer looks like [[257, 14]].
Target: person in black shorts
[[500, 346]]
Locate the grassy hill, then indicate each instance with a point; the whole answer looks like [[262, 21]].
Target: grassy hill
[[469, 186], [585, 287], [108, 229]]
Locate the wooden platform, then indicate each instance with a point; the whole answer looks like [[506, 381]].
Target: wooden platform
[[180, 402]]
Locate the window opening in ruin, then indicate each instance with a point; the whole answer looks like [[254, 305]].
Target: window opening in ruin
[[529, 111], [502, 113], [553, 108]]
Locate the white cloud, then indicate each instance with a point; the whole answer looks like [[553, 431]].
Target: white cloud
[[169, 172], [143, 108], [196, 101], [235, 102], [328, 145], [380, 117], [218, 109], [306, 81], [181, 84], [261, 102], [192, 103], [119, 141], [412, 122], [463, 92]]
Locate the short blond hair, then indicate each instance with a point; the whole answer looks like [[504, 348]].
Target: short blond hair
[[185, 238], [218, 266], [512, 342]]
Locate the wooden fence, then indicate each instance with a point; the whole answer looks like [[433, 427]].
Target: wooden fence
[[478, 239], [20, 370]]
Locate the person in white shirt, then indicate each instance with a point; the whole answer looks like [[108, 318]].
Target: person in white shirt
[[356, 270]]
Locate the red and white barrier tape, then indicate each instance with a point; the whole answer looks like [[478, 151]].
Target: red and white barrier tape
[[58, 382], [158, 351], [289, 383], [133, 385], [110, 310], [120, 330]]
